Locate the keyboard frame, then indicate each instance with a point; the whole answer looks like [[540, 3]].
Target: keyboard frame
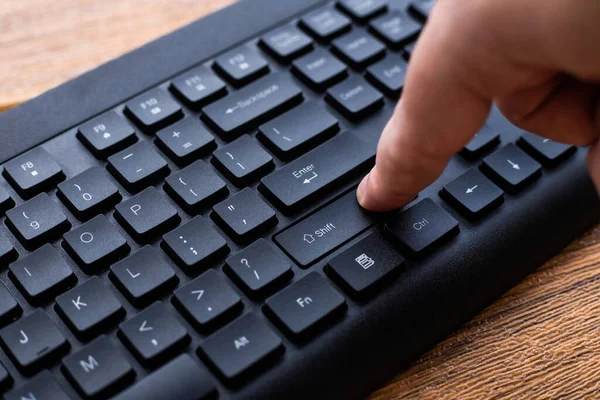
[[377, 337]]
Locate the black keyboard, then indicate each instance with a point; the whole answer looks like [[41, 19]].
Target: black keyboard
[[181, 223]]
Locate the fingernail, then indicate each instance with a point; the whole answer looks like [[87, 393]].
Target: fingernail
[[362, 190]]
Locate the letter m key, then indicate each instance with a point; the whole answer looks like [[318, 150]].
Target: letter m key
[[89, 365]]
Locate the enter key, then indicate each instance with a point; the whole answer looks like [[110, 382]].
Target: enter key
[[325, 230]]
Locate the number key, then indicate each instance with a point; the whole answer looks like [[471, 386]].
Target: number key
[[33, 172], [153, 110]]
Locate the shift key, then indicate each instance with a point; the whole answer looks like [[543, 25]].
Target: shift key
[[302, 179], [325, 230]]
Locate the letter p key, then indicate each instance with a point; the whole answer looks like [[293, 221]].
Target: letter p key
[[136, 208]]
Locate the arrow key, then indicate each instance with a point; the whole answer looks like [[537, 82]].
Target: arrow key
[[472, 194], [154, 335], [511, 168]]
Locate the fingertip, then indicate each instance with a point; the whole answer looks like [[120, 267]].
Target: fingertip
[[378, 198]]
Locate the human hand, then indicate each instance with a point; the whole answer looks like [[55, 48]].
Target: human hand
[[537, 60]]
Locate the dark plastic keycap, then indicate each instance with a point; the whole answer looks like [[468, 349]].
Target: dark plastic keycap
[[511, 168], [8, 253], [37, 221], [33, 172], [354, 98], [154, 335], [242, 65], [194, 244], [195, 187], [421, 8], [286, 43], [89, 193], [363, 10], [147, 215], [185, 141], [180, 379], [546, 151], [299, 181], [89, 308], [33, 341], [138, 166], [207, 300], [42, 387], [95, 244], [107, 134], [408, 50], [298, 130], [320, 69], [483, 141], [243, 161], [473, 194], [98, 370], [358, 49], [153, 110], [330, 227], [142, 276], [9, 308], [365, 265], [42, 274], [325, 23], [243, 215], [6, 202], [396, 28], [258, 268], [422, 227], [301, 307], [198, 87], [6, 381], [251, 105], [388, 75]]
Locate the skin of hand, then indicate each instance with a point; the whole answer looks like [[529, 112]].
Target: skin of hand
[[537, 60]]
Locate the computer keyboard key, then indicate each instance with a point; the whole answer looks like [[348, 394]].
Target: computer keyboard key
[[37, 221], [365, 265], [142, 276], [421, 8], [299, 181], [33, 342], [6, 202], [40, 387], [185, 141], [207, 300], [320, 69], [363, 10], [286, 43], [473, 194], [9, 308], [511, 168], [298, 130], [89, 308], [154, 335], [95, 244], [138, 166], [358, 49], [408, 50], [243, 215], [147, 215], [247, 107], [180, 379], [388, 75], [243, 161], [33, 172], [42, 274], [241, 346], [301, 307], [258, 267], [396, 28], [421, 227], [195, 187], [325, 23], [107, 134], [483, 141], [354, 98], [194, 244], [242, 65], [198, 87], [8, 253], [98, 370], [153, 110], [89, 193], [546, 151]]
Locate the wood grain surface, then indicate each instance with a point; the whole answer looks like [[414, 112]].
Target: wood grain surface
[[539, 341]]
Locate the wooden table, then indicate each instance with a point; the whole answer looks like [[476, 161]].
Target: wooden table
[[541, 340]]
